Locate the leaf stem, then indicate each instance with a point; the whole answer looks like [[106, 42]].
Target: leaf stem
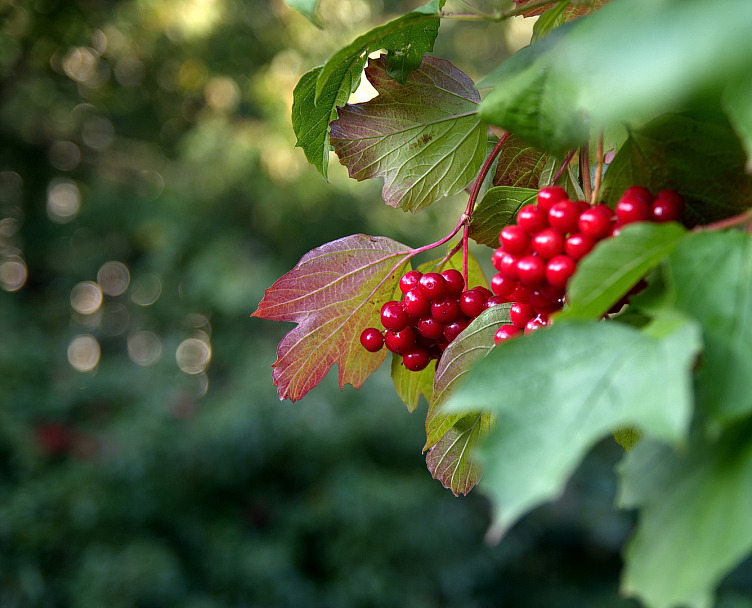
[[497, 16], [598, 169], [729, 222], [585, 172], [563, 167]]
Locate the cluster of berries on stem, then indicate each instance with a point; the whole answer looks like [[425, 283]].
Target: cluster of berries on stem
[[538, 255], [434, 309]]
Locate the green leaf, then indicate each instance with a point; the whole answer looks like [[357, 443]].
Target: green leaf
[[469, 347], [550, 20], [307, 8], [699, 158], [519, 165], [424, 137], [556, 392], [615, 265], [411, 385], [710, 278], [737, 102], [693, 505], [321, 91], [498, 208], [334, 292]]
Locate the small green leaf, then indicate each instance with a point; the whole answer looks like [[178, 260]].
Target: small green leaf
[[615, 265], [550, 20], [424, 137], [694, 505], [498, 208], [710, 278], [411, 385], [307, 8], [556, 392]]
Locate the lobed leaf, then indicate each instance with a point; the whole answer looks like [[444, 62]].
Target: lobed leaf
[[710, 278], [519, 165], [695, 505], [498, 208], [333, 294], [556, 392], [424, 137], [615, 265], [321, 91]]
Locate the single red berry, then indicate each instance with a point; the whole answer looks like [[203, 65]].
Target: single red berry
[[501, 285], [508, 266], [400, 341], [393, 316], [577, 245], [495, 301], [546, 298], [632, 209], [416, 359], [455, 283], [563, 216], [455, 328], [432, 285], [416, 304], [596, 222], [513, 239], [559, 269], [430, 328], [496, 257], [531, 270], [520, 294], [532, 218], [486, 292], [520, 314], [506, 332], [445, 310], [410, 280], [372, 340], [638, 193], [548, 243], [536, 323], [549, 196], [472, 302], [668, 206]]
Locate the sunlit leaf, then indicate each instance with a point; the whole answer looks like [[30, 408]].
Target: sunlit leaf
[[333, 293], [424, 137], [498, 208], [558, 391], [615, 265], [307, 8], [519, 165], [694, 504]]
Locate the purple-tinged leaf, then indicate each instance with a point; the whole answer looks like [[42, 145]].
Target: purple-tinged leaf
[[424, 138], [519, 164], [333, 294]]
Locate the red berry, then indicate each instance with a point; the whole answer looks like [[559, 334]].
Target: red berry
[[455, 283], [520, 314], [668, 206], [400, 341], [432, 285], [632, 209], [596, 222], [508, 266], [513, 239], [455, 328], [563, 216], [536, 323], [578, 246], [393, 316], [416, 359], [486, 292], [501, 285], [472, 302], [371, 339], [445, 310], [495, 301], [416, 304], [549, 196], [409, 280], [520, 294], [559, 269], [548, 243], [428, 327], [532, 218], [505, 332], [531, 269], [637, 193], [498, 254], [545, 303]]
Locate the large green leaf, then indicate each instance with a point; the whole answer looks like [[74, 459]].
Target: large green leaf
[[424, 137], [321, 91], [694, 522], [556, 392], [615, 265], [710, 278], [697, 155], [498, 208]]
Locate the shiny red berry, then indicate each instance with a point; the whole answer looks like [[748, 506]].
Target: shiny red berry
[[501, 285], [432, 285], [455, 283], [455, 328], [430, 328], [410, 280], [506, 332], [578, 246], [513, 239], [508, 266], [532, 218], [559, 269], [495, 301], [400, 341], [668, 206], [520, 314], [393, 316], [563, 216], [549, 196], [536, 323], [472, 302], [548, 243], [415, 303], [371, 339], [632, 209], [445, 310], [596, 222], [531, 269], [416, 359]]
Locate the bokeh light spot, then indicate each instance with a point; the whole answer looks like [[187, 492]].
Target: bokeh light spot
[[146, 289], [65, 155], [86, 297], [113, 278], [193, 355], [144, 348], [13, 274], [222, 93], [84, 353], [63, 201]]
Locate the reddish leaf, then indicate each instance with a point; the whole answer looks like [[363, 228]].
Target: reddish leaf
[[570, 13], [333, 293], [519, 164]]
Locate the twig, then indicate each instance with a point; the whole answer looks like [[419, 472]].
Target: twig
[[585, 171], [563, 167], [598, 169]]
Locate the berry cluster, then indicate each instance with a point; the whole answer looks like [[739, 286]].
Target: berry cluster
[[539, 253], [434, 309]]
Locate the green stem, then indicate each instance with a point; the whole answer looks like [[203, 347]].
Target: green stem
[[498, 16]]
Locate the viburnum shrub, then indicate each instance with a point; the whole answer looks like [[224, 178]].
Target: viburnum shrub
[[607, 165]]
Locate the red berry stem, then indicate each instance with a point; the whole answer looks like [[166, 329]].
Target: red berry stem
[[729, 222], [563, 167]]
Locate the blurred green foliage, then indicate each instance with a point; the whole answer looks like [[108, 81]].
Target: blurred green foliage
[[149, 192]]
